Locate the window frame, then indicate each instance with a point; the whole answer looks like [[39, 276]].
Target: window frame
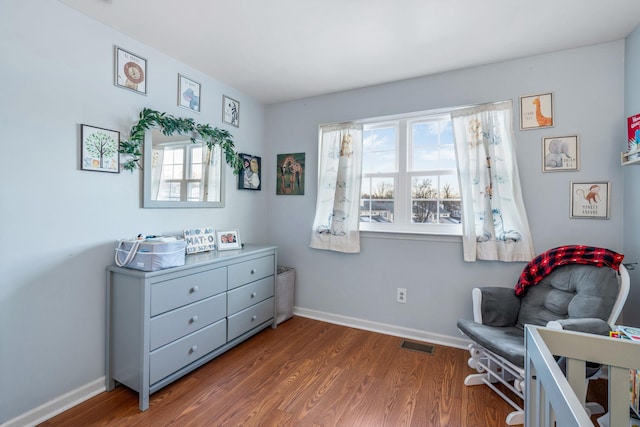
[[402, 197], [184, 182]]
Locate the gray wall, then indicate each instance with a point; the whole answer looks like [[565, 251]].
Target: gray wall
[[59, 225], [361, 288], [631, 231]]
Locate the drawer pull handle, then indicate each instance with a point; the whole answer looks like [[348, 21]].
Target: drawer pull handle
[[194, 319], [253, 295], [193, 349], [253, 271], [194, 289], [253, 318]]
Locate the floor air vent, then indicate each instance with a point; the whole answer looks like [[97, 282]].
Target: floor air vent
[[419, 347]]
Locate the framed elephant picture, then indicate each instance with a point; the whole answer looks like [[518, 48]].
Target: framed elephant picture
[[560, 153]]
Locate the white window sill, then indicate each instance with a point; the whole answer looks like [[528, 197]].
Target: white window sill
[[404, 235]]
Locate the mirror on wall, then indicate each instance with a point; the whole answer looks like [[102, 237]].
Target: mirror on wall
[[181, 174]]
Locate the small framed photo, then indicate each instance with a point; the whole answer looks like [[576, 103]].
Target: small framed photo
[[249, 177], [560, 153], [130, 71], [228, 239], [188, 93], [230, 111], [536, 111], [99, 149], [590, 199]]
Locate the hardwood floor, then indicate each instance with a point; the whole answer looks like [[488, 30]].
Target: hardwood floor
[[309, 373]]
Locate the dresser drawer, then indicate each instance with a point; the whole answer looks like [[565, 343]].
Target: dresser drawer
[[247, 295], [249, 271], [174, 324], [184, 290], [249, 318], [168, 359]]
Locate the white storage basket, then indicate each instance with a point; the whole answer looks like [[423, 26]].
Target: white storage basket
[[151, 254]]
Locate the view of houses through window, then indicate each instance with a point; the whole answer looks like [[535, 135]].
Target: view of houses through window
[[409, 176]]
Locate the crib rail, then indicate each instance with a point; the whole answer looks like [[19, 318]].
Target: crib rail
[[553, 398]]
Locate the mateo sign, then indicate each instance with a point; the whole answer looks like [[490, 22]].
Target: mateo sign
[[200, 240]]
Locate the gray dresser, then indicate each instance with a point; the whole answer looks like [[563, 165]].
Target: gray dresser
[[163, 324]]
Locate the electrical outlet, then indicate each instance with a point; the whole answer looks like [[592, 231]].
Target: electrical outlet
[[401, 296]]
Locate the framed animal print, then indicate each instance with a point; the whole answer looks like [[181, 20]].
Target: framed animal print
[[131, 71], [188, 93], [230, 111], [536, 111], [590, 199], [290, 174], [560, 153]]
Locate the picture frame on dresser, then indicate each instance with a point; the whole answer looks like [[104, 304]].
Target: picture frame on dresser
[[228, 239]]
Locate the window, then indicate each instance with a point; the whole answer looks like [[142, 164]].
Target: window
[[409, 176], [181, 177]]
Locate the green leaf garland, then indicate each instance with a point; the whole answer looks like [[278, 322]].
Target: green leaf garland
[[170, 125]]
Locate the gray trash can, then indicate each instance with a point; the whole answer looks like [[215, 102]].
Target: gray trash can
[[285, 284]]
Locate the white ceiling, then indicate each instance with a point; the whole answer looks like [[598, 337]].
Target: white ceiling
[[278, 50]]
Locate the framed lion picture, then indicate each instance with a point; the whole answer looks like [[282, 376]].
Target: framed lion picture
[[130, 71]]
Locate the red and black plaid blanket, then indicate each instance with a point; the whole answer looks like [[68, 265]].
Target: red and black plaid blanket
[[544, 263]]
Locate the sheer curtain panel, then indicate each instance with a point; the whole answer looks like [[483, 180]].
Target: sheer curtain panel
[[494, 220], [337, 218]]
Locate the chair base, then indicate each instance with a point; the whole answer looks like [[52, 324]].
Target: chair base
[[493, 369]]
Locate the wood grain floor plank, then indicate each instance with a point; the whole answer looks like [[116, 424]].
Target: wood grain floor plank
[[309, 373]]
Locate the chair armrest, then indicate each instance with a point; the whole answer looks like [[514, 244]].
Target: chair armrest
[[589, 325], [495, 306]]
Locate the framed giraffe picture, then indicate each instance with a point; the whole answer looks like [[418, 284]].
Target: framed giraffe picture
[[536, 111], [290, 174]]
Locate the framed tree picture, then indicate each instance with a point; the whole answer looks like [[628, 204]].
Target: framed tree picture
[[99, 149]]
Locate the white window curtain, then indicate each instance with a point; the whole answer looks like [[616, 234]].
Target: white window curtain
[[335, 226], [494, 220], [157, 159]]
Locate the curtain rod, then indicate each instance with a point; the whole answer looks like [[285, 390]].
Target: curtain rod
[[432, 112]]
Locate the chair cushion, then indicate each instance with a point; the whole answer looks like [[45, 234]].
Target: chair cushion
[[507, 341], [570, 291]]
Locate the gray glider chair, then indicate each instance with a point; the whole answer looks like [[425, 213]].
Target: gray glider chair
[[577, 297]]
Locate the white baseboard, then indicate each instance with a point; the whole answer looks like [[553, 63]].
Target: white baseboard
[[58, 405], [384, 328]]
